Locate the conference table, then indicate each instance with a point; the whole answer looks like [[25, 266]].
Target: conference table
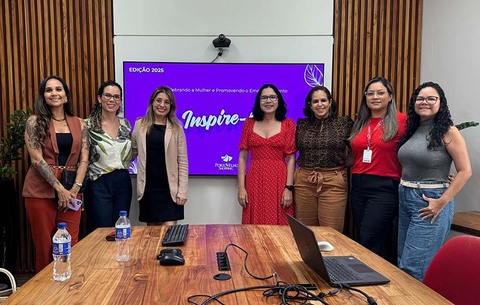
[[97, 278]]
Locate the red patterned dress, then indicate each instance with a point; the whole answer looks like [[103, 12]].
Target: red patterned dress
[[267, 173]]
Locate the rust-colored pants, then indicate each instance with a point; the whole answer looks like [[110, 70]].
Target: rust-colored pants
[[43, 217], [321, 196]]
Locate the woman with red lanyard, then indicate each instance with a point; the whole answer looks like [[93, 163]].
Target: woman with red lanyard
[[376, 170]]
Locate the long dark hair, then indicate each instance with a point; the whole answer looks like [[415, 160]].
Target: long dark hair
[[308, 112], [390, 121], [95, 117], [280, 113], [42, 110], [441, 122]]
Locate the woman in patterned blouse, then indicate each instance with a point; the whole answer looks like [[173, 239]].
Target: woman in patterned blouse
[[320, 181], [109, 190]]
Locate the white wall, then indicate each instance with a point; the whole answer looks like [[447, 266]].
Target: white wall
[[262, 31], [451, 57]]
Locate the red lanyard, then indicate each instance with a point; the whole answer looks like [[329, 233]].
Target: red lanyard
[[370, 133]]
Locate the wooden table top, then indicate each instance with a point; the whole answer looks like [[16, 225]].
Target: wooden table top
[[467, 222], [98, 279]]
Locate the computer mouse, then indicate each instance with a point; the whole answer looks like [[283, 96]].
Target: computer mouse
[[170, 259], [325, 246], [174, 251]]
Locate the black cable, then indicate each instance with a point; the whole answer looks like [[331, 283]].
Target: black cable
[[220, 294], [220, 53], [245, 263], [287, 293], [370, 300], [282, 291], [201, 295]]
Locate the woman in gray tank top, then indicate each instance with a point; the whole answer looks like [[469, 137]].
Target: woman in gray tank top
[[426, 152]]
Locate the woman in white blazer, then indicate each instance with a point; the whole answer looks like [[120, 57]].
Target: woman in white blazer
[[162, 179]]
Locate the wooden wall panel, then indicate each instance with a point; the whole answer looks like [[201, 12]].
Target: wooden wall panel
[[375, 38], [72, 39]]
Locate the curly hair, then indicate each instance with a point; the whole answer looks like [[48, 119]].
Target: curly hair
[[441, 122], [307, 110], [95, 116], [280, 113], [390, 121], [42, 110]]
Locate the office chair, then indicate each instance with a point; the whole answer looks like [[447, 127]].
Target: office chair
[[5, 293], [455, 270]]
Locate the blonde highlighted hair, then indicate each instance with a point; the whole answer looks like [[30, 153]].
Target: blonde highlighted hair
[[149, 119]]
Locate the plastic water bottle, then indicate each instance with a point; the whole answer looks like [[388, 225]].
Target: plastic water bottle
[[61, 253], [122, 237]]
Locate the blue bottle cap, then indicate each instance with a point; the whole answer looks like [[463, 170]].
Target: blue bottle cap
[[123, 213], [61, 225]]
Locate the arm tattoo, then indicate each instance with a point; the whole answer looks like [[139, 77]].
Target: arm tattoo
[[33, 138], [85, 138], [45, 171]]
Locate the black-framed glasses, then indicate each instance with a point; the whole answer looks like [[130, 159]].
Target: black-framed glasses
[[431, 100], [265, 98], [379, 93], [116, 97], [321, 101], [159, 101]]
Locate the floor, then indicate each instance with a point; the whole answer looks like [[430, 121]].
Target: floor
[[22, 278]]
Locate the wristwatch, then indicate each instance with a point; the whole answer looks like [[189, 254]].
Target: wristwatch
[[289, 187]]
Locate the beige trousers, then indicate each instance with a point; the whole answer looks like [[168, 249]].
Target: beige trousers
[[321, 196]]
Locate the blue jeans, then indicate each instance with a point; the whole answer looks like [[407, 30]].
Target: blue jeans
[[419, 240]]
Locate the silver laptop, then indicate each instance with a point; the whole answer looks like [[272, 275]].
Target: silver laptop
[[335, 270]]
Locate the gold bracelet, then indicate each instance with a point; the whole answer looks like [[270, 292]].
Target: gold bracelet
[[78, 184]]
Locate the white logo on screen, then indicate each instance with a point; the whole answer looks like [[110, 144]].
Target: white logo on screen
[[226, 158], [313, 76], [226, 166]]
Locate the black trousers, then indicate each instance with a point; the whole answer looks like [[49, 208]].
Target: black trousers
[[106, 197], [374, 202]]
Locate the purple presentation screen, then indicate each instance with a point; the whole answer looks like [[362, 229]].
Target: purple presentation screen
[[213, 101]]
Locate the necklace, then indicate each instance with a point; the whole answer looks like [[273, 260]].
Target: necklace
[[58, 119]]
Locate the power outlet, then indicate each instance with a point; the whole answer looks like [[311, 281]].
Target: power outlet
[[223, 262]]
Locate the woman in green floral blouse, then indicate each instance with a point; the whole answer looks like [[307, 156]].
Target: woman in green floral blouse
[[109, 189]]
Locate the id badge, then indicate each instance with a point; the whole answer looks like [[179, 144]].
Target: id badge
[[367, 156]]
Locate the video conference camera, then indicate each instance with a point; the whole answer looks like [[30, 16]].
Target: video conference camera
[[221, 42]]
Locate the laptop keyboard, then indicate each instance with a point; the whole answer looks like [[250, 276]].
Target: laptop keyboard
[[175, 235], [339, 272]]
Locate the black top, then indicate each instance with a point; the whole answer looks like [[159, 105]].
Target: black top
[[156, 169], [64, 143]]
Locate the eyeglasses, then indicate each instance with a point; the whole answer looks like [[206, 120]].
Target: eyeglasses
[[159, 101], [321, 101], [265, 98], [380, 93], [116, 97], [431, 100]]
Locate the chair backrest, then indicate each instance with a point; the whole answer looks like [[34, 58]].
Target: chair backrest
[[455, 270], [5, 293]]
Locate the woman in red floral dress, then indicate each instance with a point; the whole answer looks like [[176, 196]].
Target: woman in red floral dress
[[265, 192]]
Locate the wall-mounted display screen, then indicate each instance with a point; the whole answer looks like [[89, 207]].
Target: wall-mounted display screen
[[213, 101]]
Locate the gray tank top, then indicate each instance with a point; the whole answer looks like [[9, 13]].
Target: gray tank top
[[421, 164]]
